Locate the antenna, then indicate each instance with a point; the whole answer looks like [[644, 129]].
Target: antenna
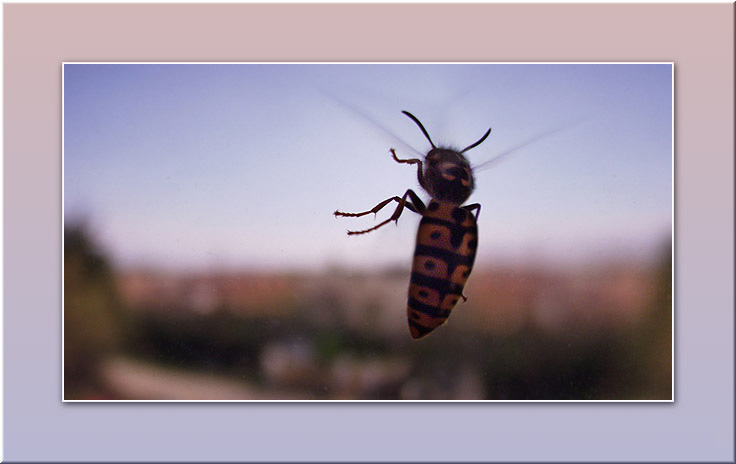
[[413, 118], [476, 143]]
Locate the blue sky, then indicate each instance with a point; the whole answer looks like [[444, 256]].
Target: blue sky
[[242, 165]]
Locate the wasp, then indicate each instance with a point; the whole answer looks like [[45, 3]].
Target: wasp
[[447, 238]]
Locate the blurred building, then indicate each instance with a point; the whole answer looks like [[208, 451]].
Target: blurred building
[[502, 300]]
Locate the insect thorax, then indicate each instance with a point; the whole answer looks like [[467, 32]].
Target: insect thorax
[[448, 176]]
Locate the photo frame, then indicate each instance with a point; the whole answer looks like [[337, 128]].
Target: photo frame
[[704, 248]]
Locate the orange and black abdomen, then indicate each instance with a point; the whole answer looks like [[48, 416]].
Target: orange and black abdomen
[[446, 245]]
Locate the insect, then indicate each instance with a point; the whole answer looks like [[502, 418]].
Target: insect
[[447, 238]]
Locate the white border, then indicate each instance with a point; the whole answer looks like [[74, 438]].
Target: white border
[[672, 283], [672, 293], [63, 225]]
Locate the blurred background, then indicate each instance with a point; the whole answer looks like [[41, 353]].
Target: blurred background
[[202, 260]]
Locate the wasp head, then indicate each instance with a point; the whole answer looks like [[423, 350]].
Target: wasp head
[[448, 176]]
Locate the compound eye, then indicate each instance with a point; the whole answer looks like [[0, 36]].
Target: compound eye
[[453, 173], [456, 172]]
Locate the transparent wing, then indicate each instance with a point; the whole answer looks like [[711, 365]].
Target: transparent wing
[[504, 155], [398, 141]]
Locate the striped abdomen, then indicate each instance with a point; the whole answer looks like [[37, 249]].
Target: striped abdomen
[[446, 245]]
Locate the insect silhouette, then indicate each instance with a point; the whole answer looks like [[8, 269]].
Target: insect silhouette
[[447, 238]]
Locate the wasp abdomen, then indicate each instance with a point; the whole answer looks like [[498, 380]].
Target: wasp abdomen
[[446, 246]]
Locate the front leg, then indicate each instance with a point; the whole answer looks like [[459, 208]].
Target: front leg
[[420, 168], [414, 204]]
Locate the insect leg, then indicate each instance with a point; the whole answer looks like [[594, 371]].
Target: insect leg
[[470, 209], [414, 204], [420, 171], [375, 209]]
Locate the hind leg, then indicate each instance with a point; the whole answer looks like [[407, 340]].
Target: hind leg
[[414, 204]]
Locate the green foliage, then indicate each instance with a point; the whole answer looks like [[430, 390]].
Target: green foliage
[[92, 311], [651, 345]]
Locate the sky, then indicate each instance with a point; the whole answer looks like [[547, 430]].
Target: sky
[[208, 166]]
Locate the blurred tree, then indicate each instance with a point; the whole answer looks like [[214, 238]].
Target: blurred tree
[[648, 360], [92, 313], [656, 334]]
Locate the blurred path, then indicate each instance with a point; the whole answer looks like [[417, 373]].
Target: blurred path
[[137, 380]]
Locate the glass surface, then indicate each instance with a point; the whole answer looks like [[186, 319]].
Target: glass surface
[[202, 259]]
